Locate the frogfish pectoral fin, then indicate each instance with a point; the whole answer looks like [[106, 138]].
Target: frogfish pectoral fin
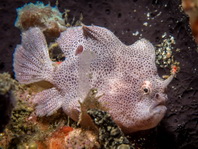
[[48, 102]]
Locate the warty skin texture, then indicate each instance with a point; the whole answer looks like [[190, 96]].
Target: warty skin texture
[[126, 76]]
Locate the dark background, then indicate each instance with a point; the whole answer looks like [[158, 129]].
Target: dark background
[[179, 128]]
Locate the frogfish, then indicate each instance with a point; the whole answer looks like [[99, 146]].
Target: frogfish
[[125, 75]]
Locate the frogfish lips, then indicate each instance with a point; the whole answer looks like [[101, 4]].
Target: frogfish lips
[[161, 98], [160, 104], [158, 109]]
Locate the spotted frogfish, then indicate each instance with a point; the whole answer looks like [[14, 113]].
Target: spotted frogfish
[[125, 75]]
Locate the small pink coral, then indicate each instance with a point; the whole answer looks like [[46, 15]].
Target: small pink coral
[[80, 139]]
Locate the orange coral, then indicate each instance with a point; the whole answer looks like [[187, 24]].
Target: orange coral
[[175, 69], [68, 138], [55, 141]]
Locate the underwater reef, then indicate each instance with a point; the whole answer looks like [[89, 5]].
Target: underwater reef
[[163, 23]]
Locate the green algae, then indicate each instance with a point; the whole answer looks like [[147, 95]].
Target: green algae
[[19, 125], [164, 52], [7, 84], [110, 135]]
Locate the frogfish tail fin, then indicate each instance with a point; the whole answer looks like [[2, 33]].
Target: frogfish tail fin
[[31, 59]]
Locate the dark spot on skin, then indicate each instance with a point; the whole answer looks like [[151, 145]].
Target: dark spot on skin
[[156, 95]]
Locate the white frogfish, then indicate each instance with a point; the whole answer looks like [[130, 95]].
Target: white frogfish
[[126, 75]]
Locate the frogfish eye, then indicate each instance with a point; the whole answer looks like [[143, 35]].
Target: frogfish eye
[[146, 87], [146, 90]]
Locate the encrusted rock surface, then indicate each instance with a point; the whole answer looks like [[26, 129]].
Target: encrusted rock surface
[[110, 135]]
